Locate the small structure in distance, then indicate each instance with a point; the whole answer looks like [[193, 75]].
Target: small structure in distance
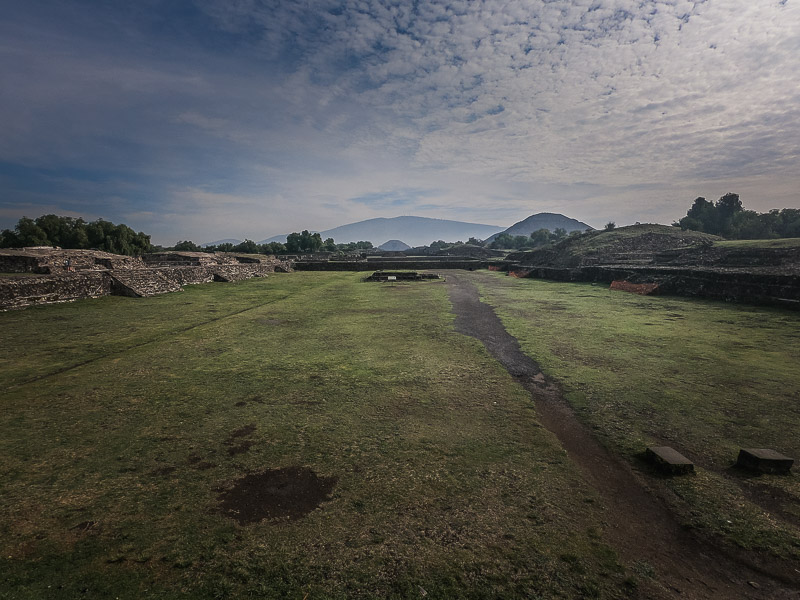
[[401, 276]]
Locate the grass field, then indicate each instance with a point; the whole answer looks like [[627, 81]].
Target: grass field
[[127, 422], [704, 377], [779, 243]]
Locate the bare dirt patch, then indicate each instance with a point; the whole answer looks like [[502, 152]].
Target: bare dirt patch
[[237, 446], [288, 493], [163, 471], [242, 432], [240, 448], [640, 526]]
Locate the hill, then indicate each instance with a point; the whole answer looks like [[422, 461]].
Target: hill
[[416, 231], [549, 221], [394, 246], [623, 243]]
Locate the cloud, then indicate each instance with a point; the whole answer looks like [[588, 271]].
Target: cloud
[[283, 113]]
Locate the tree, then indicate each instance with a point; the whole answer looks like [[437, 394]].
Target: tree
[[246, 247], [30, 234], [274, 248], [293, 243], [303, 242], [186, 246], [540, 237], [610, 226], [728, 217], [700, 217], [75, 233]]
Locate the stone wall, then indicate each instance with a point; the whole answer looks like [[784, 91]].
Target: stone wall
[[374, 265], [735, 285], [161, 280], [27, 291], [94, 274], [54, 260]]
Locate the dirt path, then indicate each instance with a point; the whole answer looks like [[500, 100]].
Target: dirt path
[[640, 526]]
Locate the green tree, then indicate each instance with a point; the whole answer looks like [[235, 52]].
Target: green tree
[[246, 247], [69, 232], [186, 246], [30, 234], [293, 244], [275, 248], [540, 237]]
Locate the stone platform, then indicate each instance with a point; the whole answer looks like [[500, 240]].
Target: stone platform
[[48, 275]]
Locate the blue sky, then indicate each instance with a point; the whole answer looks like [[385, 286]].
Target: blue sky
[[213, 119]]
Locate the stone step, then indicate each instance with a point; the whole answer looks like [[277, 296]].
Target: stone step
[[669, 460], [142, 283], [764, 460]]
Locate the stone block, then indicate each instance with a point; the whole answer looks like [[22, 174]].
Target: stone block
[[669, 460], [764, 460]]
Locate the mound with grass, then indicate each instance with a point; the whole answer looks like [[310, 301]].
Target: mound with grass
[[639, 243], [684, 263]]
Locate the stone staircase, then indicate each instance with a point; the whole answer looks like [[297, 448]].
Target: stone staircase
[[141, 283]]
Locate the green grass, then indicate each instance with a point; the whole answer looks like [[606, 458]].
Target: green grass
[[707, 378], [779, 243], [607, 240], [115, 435]]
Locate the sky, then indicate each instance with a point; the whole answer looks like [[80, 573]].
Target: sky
[[212, 119]]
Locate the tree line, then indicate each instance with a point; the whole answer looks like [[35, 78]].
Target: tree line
[[537, 239], [75, 233], [296, 243], [728, 218]]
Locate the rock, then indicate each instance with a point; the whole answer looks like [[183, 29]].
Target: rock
[[669, 460], [764, 460]]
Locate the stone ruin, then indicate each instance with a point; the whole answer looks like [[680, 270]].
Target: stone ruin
[[401, 276], [44, 275]]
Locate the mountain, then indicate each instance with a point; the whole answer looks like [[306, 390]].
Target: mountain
[[218, 242], [394, 246], [551, 221], [416, 231]]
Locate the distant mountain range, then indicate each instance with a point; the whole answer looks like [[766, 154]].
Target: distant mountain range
[[551, 221], [421, 231], [415, 231]]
